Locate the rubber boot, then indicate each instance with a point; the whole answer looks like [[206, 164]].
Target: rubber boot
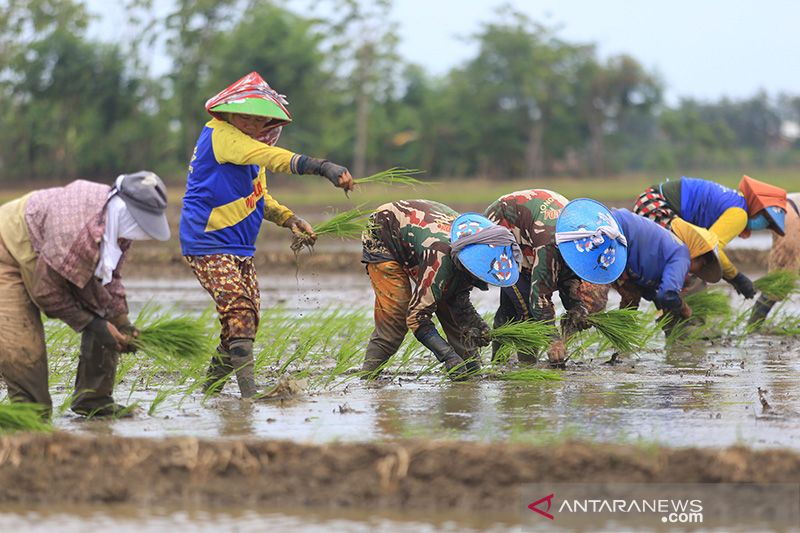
[[473, 362], [761, 309], [456, 367], [94, 381], [219, 369], [371, 365], [241, 352]]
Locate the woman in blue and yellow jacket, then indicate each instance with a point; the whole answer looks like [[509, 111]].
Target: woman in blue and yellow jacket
[[725, 212], [225, 203]]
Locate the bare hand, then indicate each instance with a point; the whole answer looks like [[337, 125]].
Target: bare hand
[[346, 181], [122, 340], [557, 352]]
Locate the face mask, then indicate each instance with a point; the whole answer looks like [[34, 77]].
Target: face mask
[[758, 222]]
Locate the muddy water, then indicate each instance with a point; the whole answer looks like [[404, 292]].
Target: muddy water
[[704, 395]]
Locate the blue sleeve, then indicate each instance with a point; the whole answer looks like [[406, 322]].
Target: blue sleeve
[[675, 269]]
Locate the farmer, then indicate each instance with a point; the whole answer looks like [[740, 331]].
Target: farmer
[[784, 255], [226, 200], [643, 259], [531, 217], [723, 211], [61, 253], [423, 258]]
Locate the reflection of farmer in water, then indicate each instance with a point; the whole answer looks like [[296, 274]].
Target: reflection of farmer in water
[[641, 258], [442, 255], [225, 203], [531, 217], [61, 254], [727, 213]]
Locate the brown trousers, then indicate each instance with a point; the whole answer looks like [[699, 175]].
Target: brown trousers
[[23, 353], [392, 288]]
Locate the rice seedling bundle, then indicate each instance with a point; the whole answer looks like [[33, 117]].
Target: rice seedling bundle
[[529, 336], [22, 417], [709, 304], [623, 328], [182, 337], [394, 176], [778, 285], [345, 225], [531, 374]]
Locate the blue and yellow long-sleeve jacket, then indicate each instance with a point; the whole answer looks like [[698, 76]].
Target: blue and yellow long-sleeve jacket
[[226, 191], [657, 259]]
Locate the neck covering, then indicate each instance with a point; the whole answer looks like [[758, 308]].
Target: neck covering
[[494, 235], [252, 86], [120, 224], [610, 230]]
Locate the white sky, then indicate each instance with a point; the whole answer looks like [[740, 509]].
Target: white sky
[[701, 48]]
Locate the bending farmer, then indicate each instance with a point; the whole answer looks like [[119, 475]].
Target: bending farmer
[[61, 253], [443, 255]]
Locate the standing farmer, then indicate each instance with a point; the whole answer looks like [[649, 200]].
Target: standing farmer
[[784, 255], [723, 211], [225, 203], [531, 217], [443, 255], [61, 253]]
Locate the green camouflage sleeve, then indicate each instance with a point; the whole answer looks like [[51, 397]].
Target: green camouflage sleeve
[[544, 282]]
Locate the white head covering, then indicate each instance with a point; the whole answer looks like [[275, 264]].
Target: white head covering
[[120, 224]]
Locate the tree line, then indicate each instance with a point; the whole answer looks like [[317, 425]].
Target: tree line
[[529, 103]]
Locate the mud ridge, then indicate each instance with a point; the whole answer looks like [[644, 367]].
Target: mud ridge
[[62, 468]]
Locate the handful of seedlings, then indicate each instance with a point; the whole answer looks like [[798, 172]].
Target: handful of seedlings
[[394, 176], [526, 336], [778, 285], [709, 304], [530, 374], [345, 225], [170, 337], [22, 417], [623, 328]]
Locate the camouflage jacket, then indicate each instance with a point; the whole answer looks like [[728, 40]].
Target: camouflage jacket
[[416, 234], [531, 216]]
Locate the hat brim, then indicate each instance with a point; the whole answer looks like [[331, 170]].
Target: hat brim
[[477, 259], [711, 271], [153, 224], [254, 106], [777, 220], [586, 265]]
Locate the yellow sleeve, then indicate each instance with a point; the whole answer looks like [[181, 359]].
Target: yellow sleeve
[[732, 222], [232, 146], [273, 210]]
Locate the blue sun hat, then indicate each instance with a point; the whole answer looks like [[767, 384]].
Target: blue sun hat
[[591, 242], [488, 251], [769, 218]]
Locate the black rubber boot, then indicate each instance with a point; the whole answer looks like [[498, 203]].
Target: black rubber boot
[[473, 363], [94, 381], [219, 369], [456, 368], [761, 309], [241, 353]]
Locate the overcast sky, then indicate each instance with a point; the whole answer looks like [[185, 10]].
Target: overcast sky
[[701, 48]]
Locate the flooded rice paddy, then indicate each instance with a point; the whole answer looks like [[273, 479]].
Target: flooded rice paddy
[[702, 394]]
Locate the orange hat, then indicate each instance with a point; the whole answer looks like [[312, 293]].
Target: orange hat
[[760, 195]]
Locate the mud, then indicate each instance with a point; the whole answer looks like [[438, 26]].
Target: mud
[[64, 468]]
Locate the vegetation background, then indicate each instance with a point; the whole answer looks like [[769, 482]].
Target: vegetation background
[[529, 104]]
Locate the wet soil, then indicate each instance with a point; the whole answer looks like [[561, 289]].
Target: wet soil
[[66, 468]]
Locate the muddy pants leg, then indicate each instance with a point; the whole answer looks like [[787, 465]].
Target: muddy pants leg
[[514, 305], [23, 354], [94, 382], [455, 337], [232, 283], [392, 295]]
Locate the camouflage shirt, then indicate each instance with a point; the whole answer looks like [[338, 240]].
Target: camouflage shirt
[[416, 234], [531, 216]]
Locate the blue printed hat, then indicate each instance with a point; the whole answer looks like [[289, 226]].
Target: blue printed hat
[[777, 216], [591, 242], [493, 263]]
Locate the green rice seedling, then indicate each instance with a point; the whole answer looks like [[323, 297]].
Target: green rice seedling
[[394, 176], [528, 336], [709, 304], [622, 327], [530, 374], [778, 285], [348, 224], [166, 337], [16, 416]]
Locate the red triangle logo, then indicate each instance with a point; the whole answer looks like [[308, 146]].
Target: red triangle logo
[[545, 513]]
